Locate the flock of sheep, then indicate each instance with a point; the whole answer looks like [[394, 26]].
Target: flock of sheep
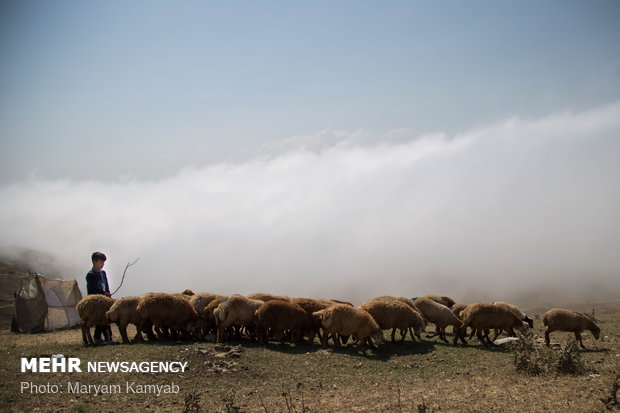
[[265, 316]]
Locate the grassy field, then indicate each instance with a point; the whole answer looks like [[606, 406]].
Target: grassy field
[[409, 377]]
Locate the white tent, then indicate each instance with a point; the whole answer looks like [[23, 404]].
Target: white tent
[[42, 304]]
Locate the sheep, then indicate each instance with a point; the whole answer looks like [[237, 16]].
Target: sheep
[[459, 333], [267, 297], [482, 317], [280, 316], [342, 319], [92, 310], [235, 310], [166, 311], [393, 313], [560, 319], [124, 312], [311, 306], [210, 321], [199, 302], [447, 301], [517, 311], [438, 314]]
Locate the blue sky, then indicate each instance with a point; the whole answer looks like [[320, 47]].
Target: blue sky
[[325, 149], [142, 89]]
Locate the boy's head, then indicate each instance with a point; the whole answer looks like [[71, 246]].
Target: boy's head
[[98, 259]]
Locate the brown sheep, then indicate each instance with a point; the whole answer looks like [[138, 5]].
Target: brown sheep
[[200, 302], [311, 306], [166, 311], [560, 319], [438, 314], [236, 310], [124, 312], [344, 320], [92, 310], [280, 316], [516, 311], [482, 317], [391, 313]]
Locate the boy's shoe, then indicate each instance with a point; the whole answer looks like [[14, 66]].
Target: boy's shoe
[[107, 342]]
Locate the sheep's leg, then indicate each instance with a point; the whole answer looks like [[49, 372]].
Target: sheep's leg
[[324, 339], [393, 334], [84, 336], [122, 328], [481, 338], [511, 332], [578, 337], [344, 339], [486, 336], [138, 336], [442, 334], [147, 327], [547, 338], [403, 335], [497, 332]]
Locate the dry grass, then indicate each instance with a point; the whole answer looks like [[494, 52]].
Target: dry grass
[[410, 377]]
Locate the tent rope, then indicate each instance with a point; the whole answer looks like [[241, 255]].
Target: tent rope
[[124, 272]]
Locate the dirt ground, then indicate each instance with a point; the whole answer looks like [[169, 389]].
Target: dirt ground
[[247, 377]]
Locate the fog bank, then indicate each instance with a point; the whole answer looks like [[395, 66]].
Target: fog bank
[[488, 213]]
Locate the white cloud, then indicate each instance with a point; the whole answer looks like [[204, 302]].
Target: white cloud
[[351, 214]]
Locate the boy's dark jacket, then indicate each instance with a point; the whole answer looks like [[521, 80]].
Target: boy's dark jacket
[[97, 282]]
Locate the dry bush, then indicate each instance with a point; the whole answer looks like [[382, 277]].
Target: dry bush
[[536, 360]]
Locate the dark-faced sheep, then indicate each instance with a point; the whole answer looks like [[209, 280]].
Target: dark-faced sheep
[[166, 312], [560, 319], [482, 317], [281, 316], [124, 312], [92, 310], [438, 314], [391, 313], [235, 310], [344, 320]]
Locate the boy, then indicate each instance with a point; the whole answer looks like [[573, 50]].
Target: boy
[[97, 283]]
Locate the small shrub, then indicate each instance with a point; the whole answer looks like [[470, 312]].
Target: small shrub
[[528, 358], [568, 360]]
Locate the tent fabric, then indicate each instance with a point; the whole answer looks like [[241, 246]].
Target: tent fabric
[[42, 304]]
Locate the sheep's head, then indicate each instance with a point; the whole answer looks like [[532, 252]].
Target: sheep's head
[[596, 332], [377, 337], [529, 321], [524, 328]]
